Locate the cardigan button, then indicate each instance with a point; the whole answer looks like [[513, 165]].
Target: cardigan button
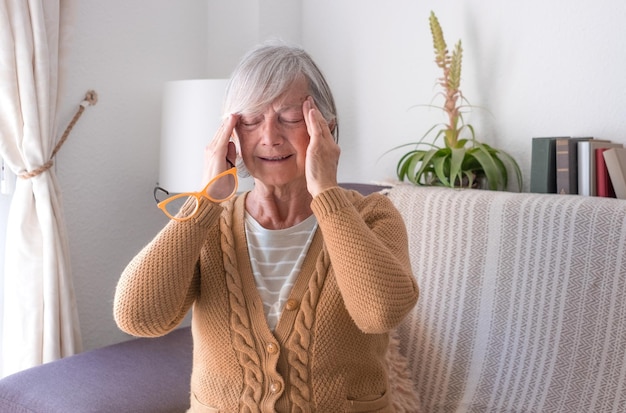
[[272, 348], [291, 304], [276, 387]]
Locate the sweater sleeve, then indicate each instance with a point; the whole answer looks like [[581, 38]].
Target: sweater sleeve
[[159, 285], [368, 248]]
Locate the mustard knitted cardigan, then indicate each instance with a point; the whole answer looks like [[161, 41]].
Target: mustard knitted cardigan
[[327, 351]]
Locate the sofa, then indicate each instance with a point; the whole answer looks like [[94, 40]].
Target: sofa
[[522, 309]]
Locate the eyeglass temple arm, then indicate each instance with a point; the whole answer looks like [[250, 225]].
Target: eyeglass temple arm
[[156, 189]]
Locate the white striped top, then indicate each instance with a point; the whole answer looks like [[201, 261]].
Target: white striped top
[[276, 257]]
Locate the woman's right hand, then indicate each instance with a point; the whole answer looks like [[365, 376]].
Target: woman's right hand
[[220, 154]]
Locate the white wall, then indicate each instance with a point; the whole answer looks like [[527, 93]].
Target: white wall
[[235, 26], [125, 50], [540, 67]]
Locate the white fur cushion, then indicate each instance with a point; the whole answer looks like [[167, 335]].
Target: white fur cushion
[[403, 395]]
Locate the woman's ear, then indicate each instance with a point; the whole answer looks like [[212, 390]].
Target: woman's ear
[[331, 125], [242, 171]]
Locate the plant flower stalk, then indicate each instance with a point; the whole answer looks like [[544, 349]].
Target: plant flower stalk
[[461, 161]]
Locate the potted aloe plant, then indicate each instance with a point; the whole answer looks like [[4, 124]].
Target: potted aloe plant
[[454, 157]]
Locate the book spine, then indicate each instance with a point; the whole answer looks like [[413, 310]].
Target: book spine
[[584, 168], [543, 165], [615, 160], [567, 164], [604, 187], [563, 171]]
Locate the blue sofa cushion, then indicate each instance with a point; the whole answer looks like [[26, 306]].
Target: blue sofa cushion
[[140, 375]]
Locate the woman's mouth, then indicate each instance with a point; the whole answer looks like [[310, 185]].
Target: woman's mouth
[[274, 158]]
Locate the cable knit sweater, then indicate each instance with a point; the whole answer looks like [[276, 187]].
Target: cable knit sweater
[[327, 352]]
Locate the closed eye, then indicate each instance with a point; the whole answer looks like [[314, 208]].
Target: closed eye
[[291, 120], [250, 122], [291, 116]]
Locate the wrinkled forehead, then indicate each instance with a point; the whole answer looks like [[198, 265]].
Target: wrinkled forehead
[[291, 98], [275, 91]]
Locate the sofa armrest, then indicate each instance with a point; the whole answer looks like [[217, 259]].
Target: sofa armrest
[[522, 302], [364, 189], [140, 375]]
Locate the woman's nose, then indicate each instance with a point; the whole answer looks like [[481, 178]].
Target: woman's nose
[[271, 132]]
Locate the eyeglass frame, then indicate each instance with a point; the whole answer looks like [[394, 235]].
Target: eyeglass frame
[[197, 195]]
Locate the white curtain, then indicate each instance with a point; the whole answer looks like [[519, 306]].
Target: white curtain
[[40, 315]]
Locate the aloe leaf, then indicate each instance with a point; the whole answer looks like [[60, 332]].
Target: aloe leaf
[[410, 165], [471, 128], [501, 169], [439, 164], [470, 178], [489, 167], [456, 163], [507, 161], [404, 165], [514, 166], [426, 162]]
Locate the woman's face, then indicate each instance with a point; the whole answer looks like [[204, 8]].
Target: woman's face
[[274, 143]]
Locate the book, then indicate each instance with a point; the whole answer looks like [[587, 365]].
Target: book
[[604, 187], [567, 164], [615, 160], [587, 164], [543, 165]]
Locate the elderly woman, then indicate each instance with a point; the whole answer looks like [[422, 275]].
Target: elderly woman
[[296, 284]]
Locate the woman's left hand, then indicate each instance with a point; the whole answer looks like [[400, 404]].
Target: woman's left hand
[[322, 155]]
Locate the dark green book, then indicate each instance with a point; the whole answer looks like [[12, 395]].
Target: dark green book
[[543, 165]]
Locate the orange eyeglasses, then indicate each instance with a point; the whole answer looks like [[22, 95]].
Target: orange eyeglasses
[[219, 189]]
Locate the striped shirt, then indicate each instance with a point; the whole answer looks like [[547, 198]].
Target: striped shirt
[[276, 257]]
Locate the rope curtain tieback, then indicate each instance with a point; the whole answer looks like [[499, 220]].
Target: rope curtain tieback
[[91, 98]]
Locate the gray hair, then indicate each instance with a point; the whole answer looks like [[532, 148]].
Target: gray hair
[[267, 71]]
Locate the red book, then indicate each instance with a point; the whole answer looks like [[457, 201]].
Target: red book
[[604, 187]]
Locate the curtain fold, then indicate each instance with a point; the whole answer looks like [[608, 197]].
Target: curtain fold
[[40, 314]]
